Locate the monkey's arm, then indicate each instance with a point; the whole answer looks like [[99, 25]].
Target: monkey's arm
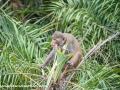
[[49, 58]]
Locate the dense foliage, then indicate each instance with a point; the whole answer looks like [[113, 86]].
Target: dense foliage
[[25, 33]]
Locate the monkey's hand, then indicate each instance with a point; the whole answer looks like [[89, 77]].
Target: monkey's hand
[[42, 66], [69, 63]]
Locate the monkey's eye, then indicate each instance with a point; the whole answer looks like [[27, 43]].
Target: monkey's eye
[[54, 39]]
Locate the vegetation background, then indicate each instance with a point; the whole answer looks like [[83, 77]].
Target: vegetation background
[[26, 27]]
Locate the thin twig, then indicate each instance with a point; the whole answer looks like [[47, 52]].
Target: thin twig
[[99, 44]]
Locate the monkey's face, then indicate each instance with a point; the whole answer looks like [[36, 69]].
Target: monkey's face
[[58, 39], [54, 43]]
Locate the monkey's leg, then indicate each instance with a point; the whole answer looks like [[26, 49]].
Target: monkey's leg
[[75, 60], [72, 63]]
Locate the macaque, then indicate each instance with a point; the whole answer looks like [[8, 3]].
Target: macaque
[[73, 47], [15, 4]]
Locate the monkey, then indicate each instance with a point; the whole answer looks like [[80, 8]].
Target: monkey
[[60, 39], [15, 4]]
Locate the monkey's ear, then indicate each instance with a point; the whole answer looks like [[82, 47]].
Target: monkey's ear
[[64, 38]]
